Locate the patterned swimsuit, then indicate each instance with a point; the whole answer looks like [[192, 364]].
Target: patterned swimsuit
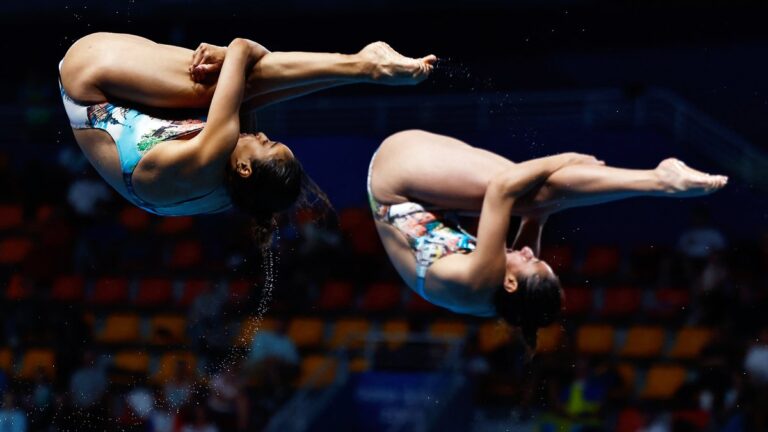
[[430, 234], [136, 133]]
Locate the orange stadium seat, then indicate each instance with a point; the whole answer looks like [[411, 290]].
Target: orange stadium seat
[[689, 342], [643, 342], [175, 225], [306, 332], [35, 359], [110, 291], [549, 338], [396, 332], [154, 292], [336, 295], [492, 335], [621, 301], [628, 374], [381, 296], [250, 326], [595, 339], [601, 261], [317, 371], [192, 289], [349, 332], [448, 329], [6, 359], [578, 301], [168, 329], [132, 361], [68, 288], [11, 216], [359, 364], [13, 250], [169, 363], [662, 381], [120, 328]]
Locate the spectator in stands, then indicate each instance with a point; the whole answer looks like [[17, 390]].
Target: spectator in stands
[[227, 401], [200, 421], [756, 361], [12, 418], [3, 383], [205, 320], [178, 390], [89, 383], [272, 364], [86, 195], [42, 398], [702, 238]]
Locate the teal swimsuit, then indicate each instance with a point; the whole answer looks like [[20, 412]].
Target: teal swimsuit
[[135, 134]]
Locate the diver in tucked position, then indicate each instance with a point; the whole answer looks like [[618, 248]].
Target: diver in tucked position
[[415, 173], [202, 164]]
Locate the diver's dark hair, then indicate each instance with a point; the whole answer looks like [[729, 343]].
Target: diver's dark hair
[[535, 303], [274, 186]]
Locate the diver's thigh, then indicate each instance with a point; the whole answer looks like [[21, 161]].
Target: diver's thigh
[[110, 66]]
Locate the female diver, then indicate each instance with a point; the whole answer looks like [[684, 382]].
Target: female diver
[[415, 172], [202, 164]]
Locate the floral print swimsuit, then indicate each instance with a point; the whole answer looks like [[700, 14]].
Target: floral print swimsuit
[[430, 234]]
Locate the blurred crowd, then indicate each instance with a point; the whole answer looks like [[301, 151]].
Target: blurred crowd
[[60, 219]]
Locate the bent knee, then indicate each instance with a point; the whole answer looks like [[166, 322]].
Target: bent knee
[[87, 62]]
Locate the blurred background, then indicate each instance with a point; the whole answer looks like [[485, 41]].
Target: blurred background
[[113, 319]]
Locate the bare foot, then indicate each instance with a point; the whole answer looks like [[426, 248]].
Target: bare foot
[[680, 180], [390, 67], [206, 62]]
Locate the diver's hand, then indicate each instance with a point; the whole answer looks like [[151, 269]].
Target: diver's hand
[[387, 66], [206, 62], [208, 59]]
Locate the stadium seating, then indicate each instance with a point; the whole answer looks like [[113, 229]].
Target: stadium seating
[[643, 342], [662, 381], [595, 339], [306, 332]]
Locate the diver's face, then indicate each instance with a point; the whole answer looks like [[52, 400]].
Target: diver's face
[[257, 147], [523, 264]]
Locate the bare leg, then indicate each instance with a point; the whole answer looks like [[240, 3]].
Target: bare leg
[[585, 185], [104, 66], [446, 172]]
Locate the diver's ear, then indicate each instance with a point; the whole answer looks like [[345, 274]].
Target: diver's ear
[[243, 168], [510, 283]]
